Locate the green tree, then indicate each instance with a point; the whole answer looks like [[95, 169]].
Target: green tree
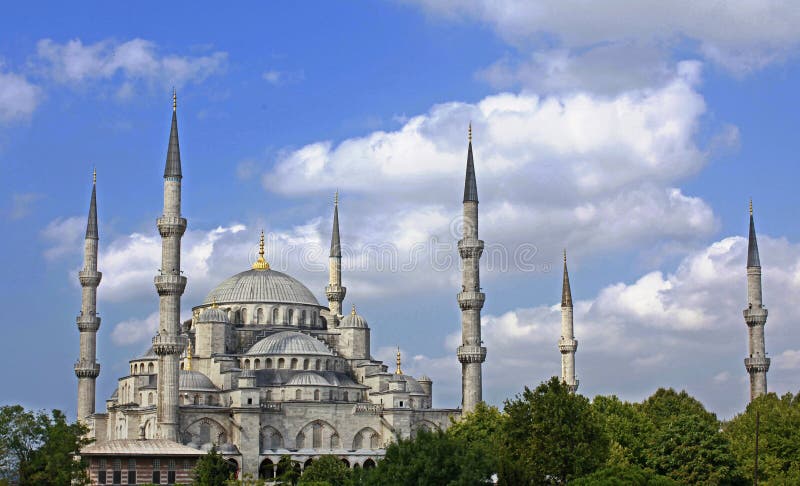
[[627, 427], [624, 476], [288, 470], [328, 470], [686, 443], [212, 470], [779, 439], [551, 436], [430, 458], [481, 432], [40, 449]]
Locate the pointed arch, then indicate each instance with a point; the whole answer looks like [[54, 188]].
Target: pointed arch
[[270, 438], [366, 438]]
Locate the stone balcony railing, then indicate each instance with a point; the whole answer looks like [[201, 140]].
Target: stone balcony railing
[[89, 278], [757, 363], [87, 370], [471, 354], [171, 226], [367, 409], [170, 284], [271, 407]]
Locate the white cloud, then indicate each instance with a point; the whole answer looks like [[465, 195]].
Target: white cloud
[[135, 330], [18, 97], [278, 78], [64, 236], [133, 61], [788, 360], [22, 203]]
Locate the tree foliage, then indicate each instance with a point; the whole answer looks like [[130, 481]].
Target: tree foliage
[[624, 476], [39, 449], [212, 469], [329, 470]]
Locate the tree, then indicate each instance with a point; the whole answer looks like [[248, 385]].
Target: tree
[[40, 449], [212, 469], [627, 427], [430, 458], [288, 470], [779, 439], [328, 470], [550, 436], [624, 476]]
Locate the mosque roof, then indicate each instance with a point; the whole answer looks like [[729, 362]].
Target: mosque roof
[[213, 314], [133, 447], [290, 342], [353, 320], [194, 380], [255, 286], [308, 378]]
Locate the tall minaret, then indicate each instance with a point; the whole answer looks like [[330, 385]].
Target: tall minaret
[[86, 368], [334, 291], [757, 363], [471, 354], [567, 344], [168, 343]]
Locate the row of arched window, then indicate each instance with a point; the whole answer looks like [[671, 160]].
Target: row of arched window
[[316, 395], [141, 368], [293, 364], [293, 317]]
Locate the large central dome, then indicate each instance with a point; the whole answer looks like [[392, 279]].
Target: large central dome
[[256, 286]]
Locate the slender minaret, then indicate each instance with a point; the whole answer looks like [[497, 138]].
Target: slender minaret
[[86, 368], [757, 363], [471, 354], [170, 284], [334, 291], [567, 344]]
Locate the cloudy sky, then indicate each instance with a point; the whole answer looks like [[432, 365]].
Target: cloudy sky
[[631, 133]]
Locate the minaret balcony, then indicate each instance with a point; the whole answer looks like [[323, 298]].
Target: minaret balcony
[[335, 293], [567, 345], [170, 284], [756, 364], [89, 278], [168, 345], [470, 247], [85, 369], [471, 300], [171, 226], [471, 354], [88, 323], [755, 316]]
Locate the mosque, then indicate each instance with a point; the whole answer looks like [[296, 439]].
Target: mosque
[[262, 370]]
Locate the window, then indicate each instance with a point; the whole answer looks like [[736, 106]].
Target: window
[[275, 316], [294, 363], [303, 317], [291, 316], [187, 464], [316, 395], [281, 363], [156, 471], [150, 368], [131, 471], [316, 437], [260, 316], [249, 401], [268, 363], [298, 395], [101, 473], [117, 473], [171, 472], [257, 364]]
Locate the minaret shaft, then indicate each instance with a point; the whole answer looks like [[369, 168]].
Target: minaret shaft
[[567, 345], [471, 354], [170, 284], [334, 291], [755, 315], [86, 368]]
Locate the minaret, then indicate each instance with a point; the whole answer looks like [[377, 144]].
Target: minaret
[[86, 368], [170, 284], [757, 363], [567, 344], [471, 354], [334, 291]]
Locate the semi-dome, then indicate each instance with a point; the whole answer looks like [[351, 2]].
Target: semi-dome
[[213, 314], [255, 286], [194, 380], [308, 378], [290, 342], [353, 320]]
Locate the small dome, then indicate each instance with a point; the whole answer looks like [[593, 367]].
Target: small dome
[[353, 320], [308, 378], [412, 385], [290, 342], [194, 380], [257, 286], [213, 314]]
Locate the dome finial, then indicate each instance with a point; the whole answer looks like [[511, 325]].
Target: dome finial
[[174, 99], [398, 371], [751, 206], [261, 263], [94, 176], [353, 312], [214, 303], [565, 255], [469, 132], [336, 198], [189, 357]]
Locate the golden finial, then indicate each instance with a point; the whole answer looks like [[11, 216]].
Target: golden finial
[[214, 303], [94, 175], [189, 357], [399, 371], [174, 99], [353, 312], [470, 132], [261, 264], [336, 198], [751, 206]]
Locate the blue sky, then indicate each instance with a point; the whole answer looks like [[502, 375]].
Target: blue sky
[[633, 136]]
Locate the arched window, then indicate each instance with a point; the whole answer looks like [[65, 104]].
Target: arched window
[[298, 394], [281, 363], [244, 315], [205, 432], [305, 364], [316, 395], [257, 364], [303, 318], [269, 395], [345, 397], [247, 364], [275, 316], [369, 464], [290, 317], [294, 363], [150, 398], [335, 441], [268, 363], [316, 436], [260, 316], [373, 442], [301, 440], [150, 368], [266, 470]]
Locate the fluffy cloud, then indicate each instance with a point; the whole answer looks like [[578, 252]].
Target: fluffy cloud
[[278, 78], [741, 35], [134, 60], [64, 236], [18, 97], [21, 204]]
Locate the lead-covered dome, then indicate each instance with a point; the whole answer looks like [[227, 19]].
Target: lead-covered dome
[[308, 378], [194, 380], [290, 342], [255, 286]]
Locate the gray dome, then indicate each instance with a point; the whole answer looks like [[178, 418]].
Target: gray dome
[[412, 385], [256, 286], [149, 354], [213, 314], [308, 378], [194, 380], [353, 320], [290, 342]]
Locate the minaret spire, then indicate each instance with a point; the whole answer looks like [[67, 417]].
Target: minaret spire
[[567, 344], [86, 368], [335, 292], [168, 344], [755, 315], [470, 354]]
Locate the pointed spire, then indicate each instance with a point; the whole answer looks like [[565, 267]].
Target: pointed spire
[[398, 371], [91, 224], [566, 292], [336, 247], [752, 243], [470, 185], [173, 166], [261, 263]]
